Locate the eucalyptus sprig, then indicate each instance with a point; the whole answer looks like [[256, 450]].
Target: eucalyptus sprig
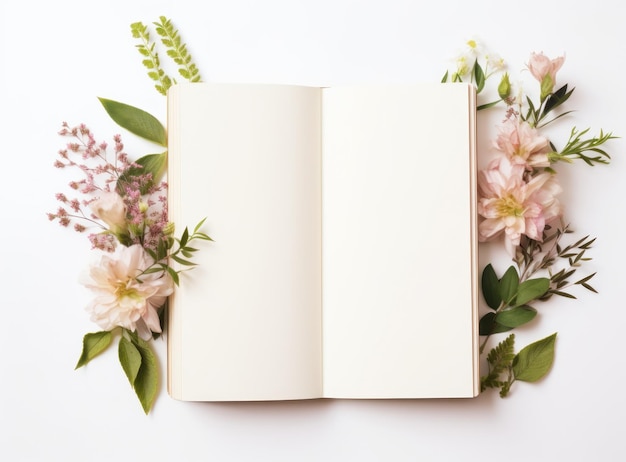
[[509, 300]]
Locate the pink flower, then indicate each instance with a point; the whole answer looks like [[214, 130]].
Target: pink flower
[[110, 208], [125, 296], [541, 66], [513, 206], [522, 144]]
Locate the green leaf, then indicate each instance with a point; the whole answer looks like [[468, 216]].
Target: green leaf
[[94, 344], [136, 121], [557, 98], [139, 364], [155, 164], [147, 381], [491, 287], [509, 284], [488, 325], [130, 359], [479, 75], [535, 360], [487, 105], [531, 289], [517, 316]]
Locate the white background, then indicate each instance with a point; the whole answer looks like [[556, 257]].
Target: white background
[[56, 57]]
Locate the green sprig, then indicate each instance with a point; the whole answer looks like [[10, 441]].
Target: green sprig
[[177, 249], [151, 62], [577, 147], [177, 50]]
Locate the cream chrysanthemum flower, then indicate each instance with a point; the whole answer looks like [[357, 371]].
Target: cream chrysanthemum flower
[[124, 296]]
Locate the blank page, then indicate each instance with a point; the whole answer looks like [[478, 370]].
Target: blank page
[[246, 323], [399, 248]]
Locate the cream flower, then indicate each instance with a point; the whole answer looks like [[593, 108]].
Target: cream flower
[[121, 298], [514, 207], [522, 144], [110, 208]]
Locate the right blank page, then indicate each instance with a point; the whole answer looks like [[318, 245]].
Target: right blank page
[[398, 239]]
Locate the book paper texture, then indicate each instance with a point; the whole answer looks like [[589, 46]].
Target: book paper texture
[[344, 261]]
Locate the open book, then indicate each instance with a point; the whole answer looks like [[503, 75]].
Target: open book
[[344, 261]]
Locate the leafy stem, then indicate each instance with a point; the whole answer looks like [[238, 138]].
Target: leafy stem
[[177, 50], [577, 147], [178, 250], [147, 49]]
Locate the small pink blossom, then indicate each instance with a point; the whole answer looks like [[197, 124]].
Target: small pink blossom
[[541, 66], [125, 295], [522, 144], [514, 206]]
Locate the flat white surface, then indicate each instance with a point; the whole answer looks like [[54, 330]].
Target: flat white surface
[[58, 56]]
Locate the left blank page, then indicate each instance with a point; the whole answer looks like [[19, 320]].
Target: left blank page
[[246, 322]]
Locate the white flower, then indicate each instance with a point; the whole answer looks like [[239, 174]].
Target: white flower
[[124, 296], [110, 208]]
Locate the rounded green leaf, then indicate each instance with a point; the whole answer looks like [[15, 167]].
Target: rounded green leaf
[[535, 360], [488, 325], [491, 288], [531, 289], [136, 121], [517, 316], [94, 344], [509, 284]]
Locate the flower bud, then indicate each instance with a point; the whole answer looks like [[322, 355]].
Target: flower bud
[[544, 70], [168, 229], [504, 89], [110, 208]]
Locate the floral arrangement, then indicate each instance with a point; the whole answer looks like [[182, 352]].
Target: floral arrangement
[[518, 203], [121, 205]]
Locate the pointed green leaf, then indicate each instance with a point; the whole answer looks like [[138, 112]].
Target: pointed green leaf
[[130, 359], [517, 316], [509, 284], [531, 289], [147, 381], [479, 75], [491, 287], [136, 121], [94, 344], [535, 360], [155, 164]]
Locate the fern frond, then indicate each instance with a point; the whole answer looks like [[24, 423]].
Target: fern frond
[[499, 360], [151, 58], [177, 50]]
